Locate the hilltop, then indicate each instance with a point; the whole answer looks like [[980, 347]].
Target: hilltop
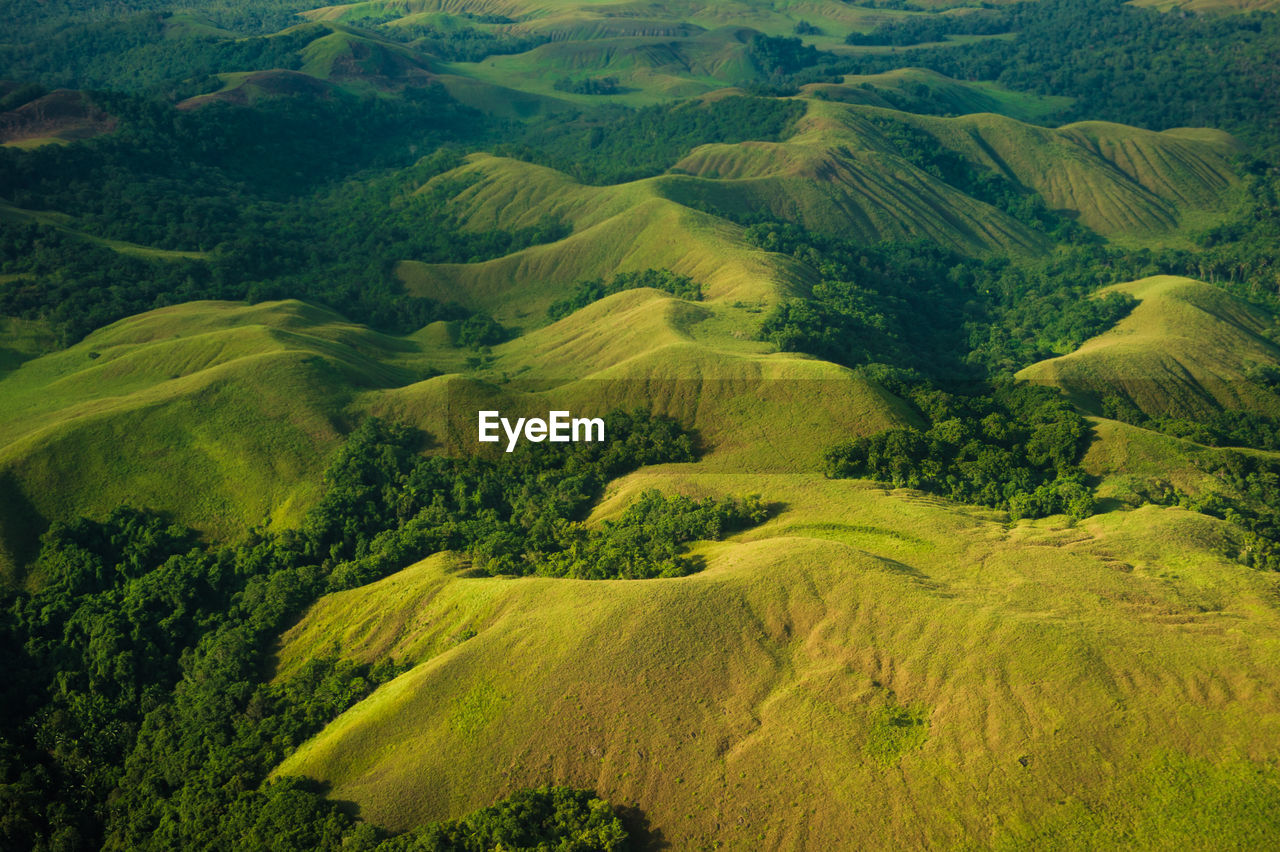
[[220, 414]]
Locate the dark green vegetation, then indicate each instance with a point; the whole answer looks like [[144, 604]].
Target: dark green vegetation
[[546, 818], [586, 292], [462, 44], [1121, 62], [637, 144], [925, 307], [919, 30], [589, 86], [955, 323], [209, 182], [516, 516], [647, 540], [917, 307], [1016, 449], [134, 690]]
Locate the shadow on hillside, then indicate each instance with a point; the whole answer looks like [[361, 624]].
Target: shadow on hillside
[[21, 526], [775, 508], [644, 837]]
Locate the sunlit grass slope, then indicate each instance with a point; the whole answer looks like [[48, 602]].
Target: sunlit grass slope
[[674, 48], [752, 410], [615, 229], [224, 415], [1185, 350], [877, 668], [840, 167], [839, 172], [220, 414], [960, 97]]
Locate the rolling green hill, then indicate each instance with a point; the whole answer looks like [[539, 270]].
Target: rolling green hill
[[220, 414], [826, 673], [843, 170], [616, 229], [223, 415], [641, 348], [1185, 350], [854, 249], [940, 94]]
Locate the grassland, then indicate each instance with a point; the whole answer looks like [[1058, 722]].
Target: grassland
[[841, 671], [224, 415], [960, 97], [838, 172], [1185, 350], [656, 51], [130, 429], [219, 414]]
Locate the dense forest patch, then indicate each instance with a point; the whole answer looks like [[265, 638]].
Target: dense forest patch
[[629, 145]]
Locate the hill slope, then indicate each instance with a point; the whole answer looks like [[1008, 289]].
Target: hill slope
[[753, 411], [218, 413], [622, 228], [1121, 182], [1185, 350], [223, 415], [835, 673]]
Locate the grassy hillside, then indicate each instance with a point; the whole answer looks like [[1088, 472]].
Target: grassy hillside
[[223, 415], [752, 410], [843, 170], [220, 414], [1119, 181], [616, 229], [865, 647], [929, 91], [1185, 350], [57, 118]]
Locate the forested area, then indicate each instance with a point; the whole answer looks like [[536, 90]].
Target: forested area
[[1016, 447], [212, 181], [224, 180], [1120, 62], [930, 28], [953, 317], [621, 145], [138, 713]]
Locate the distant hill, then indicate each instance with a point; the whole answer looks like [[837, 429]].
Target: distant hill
[[1185, 350], [57, 118]]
